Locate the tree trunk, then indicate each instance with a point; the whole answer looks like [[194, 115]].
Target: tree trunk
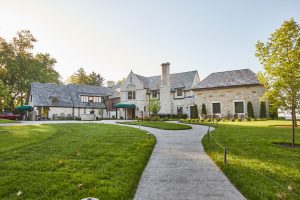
[[293, 126]]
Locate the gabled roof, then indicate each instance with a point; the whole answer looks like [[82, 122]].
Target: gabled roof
[[228, 79], [182, 80], [66, 95]]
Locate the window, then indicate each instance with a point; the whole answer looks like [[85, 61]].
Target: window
[[179, 110], [30, 98], [83, 98], [154, 94], [97, 99], [91, 99], [145, 108], [216, 108], [130, 79], [179, 92], [131, 95], [239, 107]]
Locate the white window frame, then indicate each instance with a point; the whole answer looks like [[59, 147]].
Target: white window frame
[[239, 100], [211, 104], [182, 95]]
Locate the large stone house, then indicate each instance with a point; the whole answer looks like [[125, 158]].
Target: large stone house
[[223, 93], [228, 92], [54, 101], [173, 91]]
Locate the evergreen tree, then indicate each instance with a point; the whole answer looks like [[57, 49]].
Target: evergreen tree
[[203, 110], [263, 111], [195, 114], [273, 113], [250, 110]]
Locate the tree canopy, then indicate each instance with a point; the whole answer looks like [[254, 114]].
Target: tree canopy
[[19, 67], [81, 77], [154, 106], [280, 57]]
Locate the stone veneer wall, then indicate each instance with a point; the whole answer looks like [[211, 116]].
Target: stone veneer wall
[[228, 95]]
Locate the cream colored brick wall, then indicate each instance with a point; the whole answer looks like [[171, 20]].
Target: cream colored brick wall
[[227, 96]]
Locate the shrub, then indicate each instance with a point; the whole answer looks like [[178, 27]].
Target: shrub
[[232, 119], [263, 111], [224, 120], [155, 118], [248, 119], [250, 110], [207, 120], [203, 110], [194, 113], [254, 119], [273, 112]]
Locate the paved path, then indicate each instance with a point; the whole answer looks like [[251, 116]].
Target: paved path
[[180, 169]]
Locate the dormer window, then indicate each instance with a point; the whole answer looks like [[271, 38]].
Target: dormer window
[[179, 92], [90, 99]]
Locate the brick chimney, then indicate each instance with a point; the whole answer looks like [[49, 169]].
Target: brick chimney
[[165, 74], [110, 83]]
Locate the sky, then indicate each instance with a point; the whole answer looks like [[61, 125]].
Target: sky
[[114, 37]]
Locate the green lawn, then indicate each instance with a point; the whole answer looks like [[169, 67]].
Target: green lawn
[[3, 121], [160, 125], [252, 152], [72, 161]]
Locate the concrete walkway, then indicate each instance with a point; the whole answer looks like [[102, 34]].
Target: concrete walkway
[[180, 169]]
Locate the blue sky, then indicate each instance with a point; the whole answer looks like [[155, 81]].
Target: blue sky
[[113, 37]]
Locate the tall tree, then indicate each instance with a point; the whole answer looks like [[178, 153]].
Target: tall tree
[[280, 56], [81, 77], [19, 67], [95, 79]]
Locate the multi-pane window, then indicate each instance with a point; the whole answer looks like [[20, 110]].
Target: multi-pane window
[[216, 108], [90, 99], [179, 92], [131, 95], [239, 107], [84, 98], [97, 99], [179, 110]]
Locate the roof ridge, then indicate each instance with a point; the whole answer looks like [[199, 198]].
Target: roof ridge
[[232, 70]]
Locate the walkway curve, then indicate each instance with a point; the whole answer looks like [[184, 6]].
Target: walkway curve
[[180, 169]]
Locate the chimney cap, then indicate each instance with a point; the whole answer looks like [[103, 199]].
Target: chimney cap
[[165, 64]]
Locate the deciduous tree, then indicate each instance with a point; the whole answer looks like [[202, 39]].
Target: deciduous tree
[[280, 56], [19, 67], [154, 106]]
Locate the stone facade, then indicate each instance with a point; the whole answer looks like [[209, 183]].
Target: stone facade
[[227, 96], [165, 90]]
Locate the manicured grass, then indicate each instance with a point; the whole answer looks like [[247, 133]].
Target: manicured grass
[[253, 153], [160, 125], [72, 161], [3, 121]]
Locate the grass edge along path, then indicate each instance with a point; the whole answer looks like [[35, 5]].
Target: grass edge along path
[[160, 125], [258, 168], [4, 121], [72, 161]]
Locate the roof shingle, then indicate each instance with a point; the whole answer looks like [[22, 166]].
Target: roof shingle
[[228, 79]]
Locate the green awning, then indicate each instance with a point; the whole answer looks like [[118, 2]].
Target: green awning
[[25, 107], [125, 105]]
